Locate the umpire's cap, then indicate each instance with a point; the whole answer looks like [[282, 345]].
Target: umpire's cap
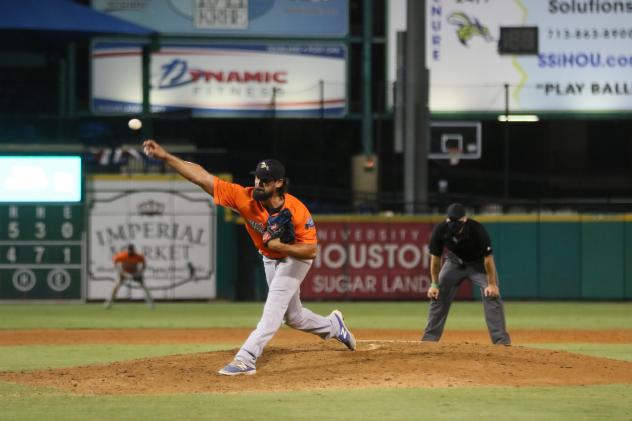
[[269, 170], [456, 211]]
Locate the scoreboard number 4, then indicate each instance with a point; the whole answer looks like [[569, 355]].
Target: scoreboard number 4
[[11, 255]]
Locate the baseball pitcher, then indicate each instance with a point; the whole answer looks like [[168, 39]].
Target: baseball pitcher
[[469, 255], [282, 229]]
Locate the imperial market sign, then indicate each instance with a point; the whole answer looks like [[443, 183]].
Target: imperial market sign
[[171, 225]]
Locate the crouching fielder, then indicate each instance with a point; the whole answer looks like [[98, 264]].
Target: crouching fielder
[[282, 229], [130, 265]]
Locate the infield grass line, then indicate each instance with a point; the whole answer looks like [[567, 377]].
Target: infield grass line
[[374, 315], [35, 357], [614, 351]]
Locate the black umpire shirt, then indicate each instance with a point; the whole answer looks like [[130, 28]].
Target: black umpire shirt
[[471, 245]]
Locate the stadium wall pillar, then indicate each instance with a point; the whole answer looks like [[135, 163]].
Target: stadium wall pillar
[[603, 264]]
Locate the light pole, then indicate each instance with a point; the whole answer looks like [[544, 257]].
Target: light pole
[[506, 140]]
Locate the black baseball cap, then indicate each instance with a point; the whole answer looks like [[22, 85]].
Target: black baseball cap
[[269, 170], [456, 211]]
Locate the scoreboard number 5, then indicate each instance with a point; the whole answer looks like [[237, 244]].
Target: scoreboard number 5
[[14, 229]]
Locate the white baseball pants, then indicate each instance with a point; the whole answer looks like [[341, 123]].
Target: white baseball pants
[[284, 277]]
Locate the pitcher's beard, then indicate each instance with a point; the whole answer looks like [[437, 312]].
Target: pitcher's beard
[[261, 195]]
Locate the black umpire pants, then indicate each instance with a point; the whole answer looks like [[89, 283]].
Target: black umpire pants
[[450, 277]]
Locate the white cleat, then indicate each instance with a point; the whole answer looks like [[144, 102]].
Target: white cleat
[[345, 336]]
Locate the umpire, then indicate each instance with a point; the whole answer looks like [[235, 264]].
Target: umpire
[[469, 255]]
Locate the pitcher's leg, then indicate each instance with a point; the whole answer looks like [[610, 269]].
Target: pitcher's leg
[[285, 283], [494, 308], [301, 318], [306, 320]]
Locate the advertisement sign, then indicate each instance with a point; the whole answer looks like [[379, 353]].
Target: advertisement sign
[[323, 18], [171, 224], [372, 261], [584, 61], [256, 80]]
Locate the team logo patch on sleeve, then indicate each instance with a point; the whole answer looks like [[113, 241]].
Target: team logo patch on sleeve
[[309, 224], [260, 228]]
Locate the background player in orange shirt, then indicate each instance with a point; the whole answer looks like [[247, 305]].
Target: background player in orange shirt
[[130, 265], [282, 229]]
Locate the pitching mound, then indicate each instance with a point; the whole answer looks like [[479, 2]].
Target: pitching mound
[[327, 365]]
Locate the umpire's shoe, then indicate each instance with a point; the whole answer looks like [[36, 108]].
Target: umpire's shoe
[[344, 335], [236, 368]]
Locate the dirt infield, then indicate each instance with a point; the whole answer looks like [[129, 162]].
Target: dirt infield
[[286, 336], [296, 361]]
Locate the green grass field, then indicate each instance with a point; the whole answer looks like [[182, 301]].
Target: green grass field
[[564, 403], [378, 315]]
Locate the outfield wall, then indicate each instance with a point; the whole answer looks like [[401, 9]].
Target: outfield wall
[[538, 256], [563, 256]]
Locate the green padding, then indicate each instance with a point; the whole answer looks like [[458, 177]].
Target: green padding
[[226, 255], [602, 260], [516, 256], [251, 278], [560, 260], [627, 260]]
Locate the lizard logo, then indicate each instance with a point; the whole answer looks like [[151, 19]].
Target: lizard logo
[[469, 27]]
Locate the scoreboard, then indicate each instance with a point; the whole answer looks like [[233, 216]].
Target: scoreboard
[[41, 251], [42, 234]]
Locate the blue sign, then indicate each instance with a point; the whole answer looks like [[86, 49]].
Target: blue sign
[[283, 18]]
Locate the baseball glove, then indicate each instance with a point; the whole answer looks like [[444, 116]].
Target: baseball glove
[[280, 226]]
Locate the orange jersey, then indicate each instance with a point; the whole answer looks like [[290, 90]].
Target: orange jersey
[[240, 199], [129, 263]]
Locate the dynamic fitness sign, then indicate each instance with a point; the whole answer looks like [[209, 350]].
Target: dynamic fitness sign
[[360, 260], [257, 80], [584, 62]]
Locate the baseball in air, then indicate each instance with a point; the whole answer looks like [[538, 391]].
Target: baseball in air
[[134, 124]]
